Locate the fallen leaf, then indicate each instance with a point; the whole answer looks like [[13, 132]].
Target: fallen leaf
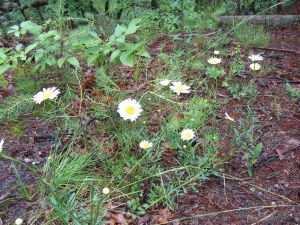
[[285, 147], [165, 214]]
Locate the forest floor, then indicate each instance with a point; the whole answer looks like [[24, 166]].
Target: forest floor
[[231, 198]]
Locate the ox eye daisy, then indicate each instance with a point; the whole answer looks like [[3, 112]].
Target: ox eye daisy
[[165, 82], [255, 66], [214, 60], [145, 144], [256, 57], [179, 88], [187, 134], [129, 109], [46, 93]]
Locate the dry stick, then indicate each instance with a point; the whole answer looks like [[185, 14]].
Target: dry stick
[[268, 216], [230, 210], [258, 187], [277, 50]]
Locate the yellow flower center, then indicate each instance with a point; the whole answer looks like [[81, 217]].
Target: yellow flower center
[[145, 145], [130, 110], [47, 95], [188, 135], [180, 89]]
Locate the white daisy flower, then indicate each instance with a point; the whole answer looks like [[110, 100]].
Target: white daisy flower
[[145, 144], [214, 60], [256, 57], [47, 93], [18, 221], [255, 66], [216, 52], [1, 145], [165, 82], [129, 109], [105, 190], [179, 88], [187, 134], [229, 117]]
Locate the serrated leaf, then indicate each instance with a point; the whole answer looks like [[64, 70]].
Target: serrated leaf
[[128, 58], [114, 55], [132, 27], [120, 29], [73, 61]]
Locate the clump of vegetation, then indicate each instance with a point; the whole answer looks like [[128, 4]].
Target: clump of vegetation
[[141, 114], [247, 34]]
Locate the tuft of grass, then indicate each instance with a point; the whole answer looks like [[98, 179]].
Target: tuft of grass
[[247, 34]]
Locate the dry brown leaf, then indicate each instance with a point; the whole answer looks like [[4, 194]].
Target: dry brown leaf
[[165, 214], [283, 148]]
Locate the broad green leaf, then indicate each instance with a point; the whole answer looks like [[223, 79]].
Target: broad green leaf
[[132, 27], [92, 58], [143, 53], [120, 30], [50, 60], [107, 49], [30, 47], [17, 33], [114, 55], [73, 61], [61, 61], [31, 27], [4, 68], [128, 58], [38, 56], [13, 29], [120, 39], [19, 47]]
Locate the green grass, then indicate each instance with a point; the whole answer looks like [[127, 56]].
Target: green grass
[[248, 34]]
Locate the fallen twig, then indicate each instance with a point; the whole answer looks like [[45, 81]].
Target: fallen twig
[[277, 50]]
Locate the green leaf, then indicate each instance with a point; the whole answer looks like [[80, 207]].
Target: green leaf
[[132, 27], [92, 58], [114, 55], [121, 39], [4, 68], [61, 61], [74, 62], [30, 47], [13, 29], [31, 27], [143, 53], [120, 30], [128, 58], [38, 56], [19, 47]]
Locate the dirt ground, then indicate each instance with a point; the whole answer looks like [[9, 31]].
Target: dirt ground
[[262, 199]]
